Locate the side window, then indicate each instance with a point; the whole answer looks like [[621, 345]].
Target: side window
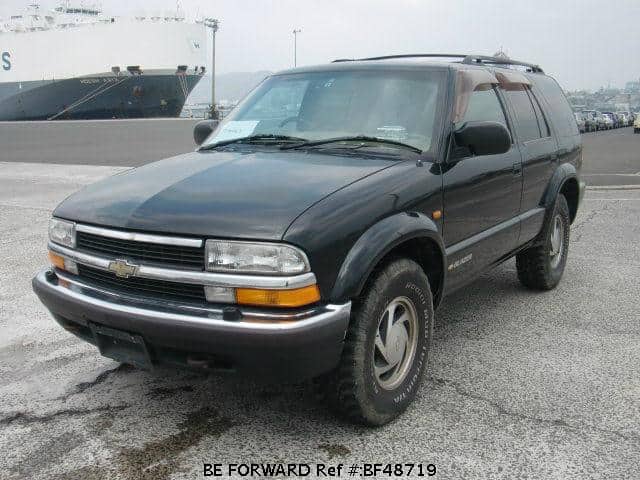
[[560, 111], [542, 120], [484, 106], [526, 121]]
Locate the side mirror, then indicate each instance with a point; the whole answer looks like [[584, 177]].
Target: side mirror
[[484, 138], [203, 129]]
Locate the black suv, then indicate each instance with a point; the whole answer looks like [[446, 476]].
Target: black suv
[[318, 226]]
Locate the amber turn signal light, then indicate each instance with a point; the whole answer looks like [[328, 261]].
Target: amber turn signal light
[[63, 264], [56, 260], [278, 298]]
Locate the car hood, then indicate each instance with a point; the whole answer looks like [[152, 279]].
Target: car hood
[[228, 194]]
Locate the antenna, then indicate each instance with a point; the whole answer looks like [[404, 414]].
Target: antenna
[[296, 31]]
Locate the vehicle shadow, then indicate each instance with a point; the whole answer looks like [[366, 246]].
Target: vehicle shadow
[[467, 313]]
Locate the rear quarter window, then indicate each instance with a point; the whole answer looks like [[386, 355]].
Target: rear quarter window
[[557, 106], [526, 124]]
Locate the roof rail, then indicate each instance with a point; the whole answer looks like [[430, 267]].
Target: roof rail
[[483, 59], [465, 59]]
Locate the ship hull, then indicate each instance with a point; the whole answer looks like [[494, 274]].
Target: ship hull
[[159, 94]]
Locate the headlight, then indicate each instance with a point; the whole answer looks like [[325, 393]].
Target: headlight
[[62, 232], [256, 258]]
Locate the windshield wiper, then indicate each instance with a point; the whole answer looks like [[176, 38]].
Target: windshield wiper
[[260, 138], [356, 138]]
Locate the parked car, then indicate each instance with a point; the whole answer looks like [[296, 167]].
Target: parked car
[[580, 121], [598, 119], [591, 125], [603, 122], [628, 119], [609, 121], [618, 120], [320, 224]]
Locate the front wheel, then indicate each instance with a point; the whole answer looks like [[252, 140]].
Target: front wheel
[[541, 267], [386, 347]]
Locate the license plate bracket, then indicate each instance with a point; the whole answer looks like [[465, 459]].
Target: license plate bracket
[[122, 346]]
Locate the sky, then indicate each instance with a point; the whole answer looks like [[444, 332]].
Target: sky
[[584, 44]]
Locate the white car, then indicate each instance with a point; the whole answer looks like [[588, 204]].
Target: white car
[[624, 119]]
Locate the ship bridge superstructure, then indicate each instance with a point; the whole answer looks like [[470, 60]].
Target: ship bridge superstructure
[[69, 15]]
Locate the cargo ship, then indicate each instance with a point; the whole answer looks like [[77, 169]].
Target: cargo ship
[[74, 62]]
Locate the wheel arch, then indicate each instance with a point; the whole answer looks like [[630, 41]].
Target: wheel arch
[[571, 191], [564, 181], [409, 234]]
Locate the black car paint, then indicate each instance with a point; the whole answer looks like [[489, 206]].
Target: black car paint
[[348, 212], [333, 233], [250, 193]]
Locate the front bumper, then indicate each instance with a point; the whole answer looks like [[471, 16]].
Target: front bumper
[[278, 345]]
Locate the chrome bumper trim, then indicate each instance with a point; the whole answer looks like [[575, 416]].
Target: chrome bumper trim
[[250, 319], [140, 237], [193, 277]]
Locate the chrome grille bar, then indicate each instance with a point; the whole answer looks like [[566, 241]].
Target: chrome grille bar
[[140, 237], [190, 276]]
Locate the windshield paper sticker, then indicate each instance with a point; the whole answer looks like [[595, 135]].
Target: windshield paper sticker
[[236, 129], [392, 132]]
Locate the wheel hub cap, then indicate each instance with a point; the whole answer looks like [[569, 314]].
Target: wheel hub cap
[[557, 241], [395, 343]]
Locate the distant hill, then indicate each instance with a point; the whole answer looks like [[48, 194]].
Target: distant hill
[[229, 86]]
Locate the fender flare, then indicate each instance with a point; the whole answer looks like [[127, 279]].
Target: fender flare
[[375, 243], [564, 172]]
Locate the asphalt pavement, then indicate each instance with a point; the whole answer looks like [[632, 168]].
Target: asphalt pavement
[[611, 157], [521, 385]]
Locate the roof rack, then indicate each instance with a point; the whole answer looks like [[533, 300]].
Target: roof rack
[[465, 59]]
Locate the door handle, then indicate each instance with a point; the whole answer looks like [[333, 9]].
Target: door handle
[[517, 169]]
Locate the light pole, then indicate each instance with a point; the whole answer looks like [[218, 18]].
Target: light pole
[[296, 31], [213, 24]]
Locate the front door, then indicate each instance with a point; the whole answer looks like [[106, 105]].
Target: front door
[[482, 196]]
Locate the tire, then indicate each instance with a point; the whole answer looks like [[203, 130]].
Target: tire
[[356, 389], [538, 267]]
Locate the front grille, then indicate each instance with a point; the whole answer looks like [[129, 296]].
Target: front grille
[[158, 289], [171, 255]]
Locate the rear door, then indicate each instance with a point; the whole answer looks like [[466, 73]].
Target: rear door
[[481, 198], [539, 155]]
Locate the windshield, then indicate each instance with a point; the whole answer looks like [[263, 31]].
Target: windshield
[[392, 105]]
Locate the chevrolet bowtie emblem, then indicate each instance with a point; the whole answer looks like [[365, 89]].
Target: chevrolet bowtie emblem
[[122, 268]]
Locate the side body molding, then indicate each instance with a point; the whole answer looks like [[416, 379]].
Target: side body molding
[[375, 243]]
